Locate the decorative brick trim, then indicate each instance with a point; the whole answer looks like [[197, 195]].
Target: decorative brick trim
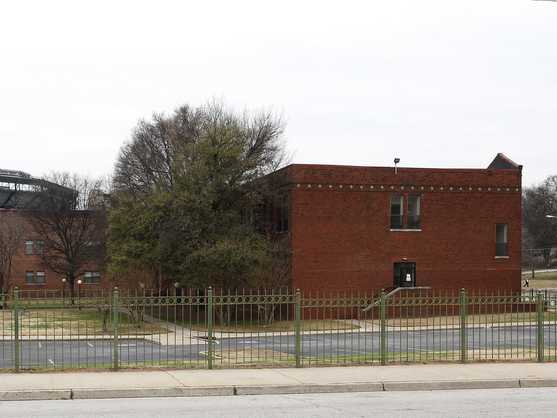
[[409, 188]]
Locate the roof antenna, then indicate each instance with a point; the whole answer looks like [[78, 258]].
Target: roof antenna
[[397, 160]]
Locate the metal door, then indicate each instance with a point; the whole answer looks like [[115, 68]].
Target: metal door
[[404, 274]]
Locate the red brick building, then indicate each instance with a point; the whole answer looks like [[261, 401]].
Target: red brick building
[[27, 270], [364, 228], [20, 192], [379, 227]]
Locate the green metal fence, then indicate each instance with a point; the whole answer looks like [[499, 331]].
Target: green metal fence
[[206, 328]]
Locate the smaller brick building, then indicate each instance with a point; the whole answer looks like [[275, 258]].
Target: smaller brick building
[[20, 194], [363, 228]]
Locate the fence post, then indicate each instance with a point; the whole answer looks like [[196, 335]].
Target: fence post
[[298, 327], [540, 307], [383, 328], [17, 345], [115, 318], [210, 328], [463, 302]]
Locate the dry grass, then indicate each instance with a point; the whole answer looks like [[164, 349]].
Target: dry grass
[[279, 326], [424, 357], [66, 322], [248, 355], [542, 284], [440, 322], [542, 280]]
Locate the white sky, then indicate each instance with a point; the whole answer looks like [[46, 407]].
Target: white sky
[[437, 83]]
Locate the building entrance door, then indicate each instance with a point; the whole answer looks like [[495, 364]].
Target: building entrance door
[[404, 274]]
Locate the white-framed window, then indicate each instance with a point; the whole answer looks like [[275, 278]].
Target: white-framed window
[[40, 277], [29, 247], [91, 277], [34, 247], [411, 219], [38, 247], [397, 211], [35, 277]]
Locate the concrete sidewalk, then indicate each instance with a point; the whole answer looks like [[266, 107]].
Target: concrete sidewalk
[[127, 384]]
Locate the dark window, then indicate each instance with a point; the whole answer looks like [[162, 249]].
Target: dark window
[[246, 216], [501, 240], [29, 277], [29, 247], [91, 277], [270, 216], [413, 212], [257, 217], [397, 202], [282, 215]]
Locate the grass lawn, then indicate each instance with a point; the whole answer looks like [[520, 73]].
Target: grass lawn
[[425, 356], [66, 322], [436, 322], [471, 320], [542, 280], [277, 326]]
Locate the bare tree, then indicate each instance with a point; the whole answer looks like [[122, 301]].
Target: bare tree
[[538, 202], [237, 148], [11, 234], [71, 222]]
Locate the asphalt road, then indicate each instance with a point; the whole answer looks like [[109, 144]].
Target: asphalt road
[[459, 403], [99, 352]]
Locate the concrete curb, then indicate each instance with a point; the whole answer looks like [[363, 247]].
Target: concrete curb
[[36, 395], [452, 385], [388, 386], [293, 389], [152, 392], [538, 383]]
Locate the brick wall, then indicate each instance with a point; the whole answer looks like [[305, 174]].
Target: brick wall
[[341, 237], [23, 262]]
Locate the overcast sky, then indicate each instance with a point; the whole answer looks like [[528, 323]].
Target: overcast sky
[[436, 83]]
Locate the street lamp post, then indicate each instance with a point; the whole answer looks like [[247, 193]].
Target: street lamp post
[[63, 290], [78, 293], [550, 216]]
